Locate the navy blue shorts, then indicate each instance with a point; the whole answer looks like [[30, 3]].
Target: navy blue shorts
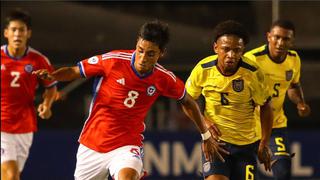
[[279, 143], [240, 163]]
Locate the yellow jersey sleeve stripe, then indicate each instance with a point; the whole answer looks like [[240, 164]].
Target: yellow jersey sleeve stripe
[[291, 54], [261, 53]]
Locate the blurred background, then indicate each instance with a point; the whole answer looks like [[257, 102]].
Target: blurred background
[[67, 32]]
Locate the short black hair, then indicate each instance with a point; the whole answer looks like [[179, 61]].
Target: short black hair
[[155, 31], [19, 15], [284, 23], [231, 27]]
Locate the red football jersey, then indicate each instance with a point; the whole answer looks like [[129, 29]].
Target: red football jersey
[[18, 86], [122, 99]]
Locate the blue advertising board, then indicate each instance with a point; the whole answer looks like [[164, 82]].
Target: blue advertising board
[[168, 155]]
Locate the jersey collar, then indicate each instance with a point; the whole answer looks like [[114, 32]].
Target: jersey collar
[[6, 51], [135, 71], [268, 52], [238, 67]]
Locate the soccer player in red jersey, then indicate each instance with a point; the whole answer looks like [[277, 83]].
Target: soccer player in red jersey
[[18, 86], [127, 83]]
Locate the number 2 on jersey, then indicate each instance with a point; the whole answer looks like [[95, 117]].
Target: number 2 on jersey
[[131, 99], [16, 76]]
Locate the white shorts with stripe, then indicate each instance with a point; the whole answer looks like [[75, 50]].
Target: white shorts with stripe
[[92, 165], [15, 147]]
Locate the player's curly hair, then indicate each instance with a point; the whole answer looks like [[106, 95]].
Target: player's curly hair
[[286, 24], [231, 27], [155, 31], [19, 15]]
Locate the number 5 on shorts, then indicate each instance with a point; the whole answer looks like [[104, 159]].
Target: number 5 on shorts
[[279, 142]]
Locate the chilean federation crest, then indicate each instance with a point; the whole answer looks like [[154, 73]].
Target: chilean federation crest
[[289, 75], [237, 85], [151, 90], [28, 68]]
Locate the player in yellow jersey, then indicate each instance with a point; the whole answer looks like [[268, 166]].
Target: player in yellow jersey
[[282, 70], [232, 86]]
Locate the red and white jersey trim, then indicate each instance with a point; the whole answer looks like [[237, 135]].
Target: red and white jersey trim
[[30, 49], [162, 69], [121, 55]]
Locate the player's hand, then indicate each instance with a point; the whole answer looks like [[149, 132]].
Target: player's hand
[[44, 111], [43, 74], [303, 109], [264, 156], [212, 148], [215, 132], [60, 96]]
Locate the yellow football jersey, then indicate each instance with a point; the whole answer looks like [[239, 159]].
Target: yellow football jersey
[[230, 100], [278, 76]]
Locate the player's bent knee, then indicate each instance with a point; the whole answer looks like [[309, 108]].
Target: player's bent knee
[[216, 177], [282, 169], [128, 174], [9, 171], [11, 176]]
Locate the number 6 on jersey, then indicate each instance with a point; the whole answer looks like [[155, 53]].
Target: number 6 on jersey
[[131, 99]]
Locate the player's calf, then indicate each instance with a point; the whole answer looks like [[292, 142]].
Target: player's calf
[[282, 169]]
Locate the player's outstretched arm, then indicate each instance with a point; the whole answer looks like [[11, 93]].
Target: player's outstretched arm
[[211, 147], [295, 94], [62, 74], [264, 152]]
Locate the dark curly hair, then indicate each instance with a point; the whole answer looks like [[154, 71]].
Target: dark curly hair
[[19, 15], [286, 24], [155, 31], [231, 27]]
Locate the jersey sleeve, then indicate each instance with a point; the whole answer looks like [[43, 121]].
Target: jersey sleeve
[[92, 66], [175, 88], [45, 64], [260, 91], [296, 75], [193, 83], [250, 56]]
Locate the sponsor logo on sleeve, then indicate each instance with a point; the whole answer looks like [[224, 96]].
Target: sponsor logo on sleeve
[[93, 60]]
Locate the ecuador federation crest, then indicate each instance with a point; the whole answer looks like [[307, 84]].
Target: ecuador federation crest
[[289, 75], [237, 85]]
